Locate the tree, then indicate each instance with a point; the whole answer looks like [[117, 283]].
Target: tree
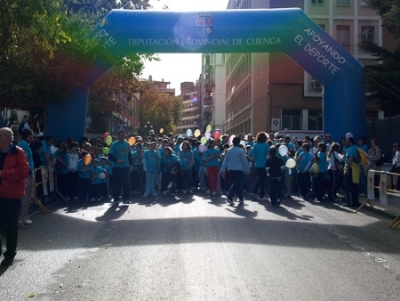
[[383, 79], [45, 50], [162, 110]]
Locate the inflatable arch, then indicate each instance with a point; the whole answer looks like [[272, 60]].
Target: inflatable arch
[[271, 30]]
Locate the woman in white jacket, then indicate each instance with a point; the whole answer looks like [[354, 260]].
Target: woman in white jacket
[[335, 170]]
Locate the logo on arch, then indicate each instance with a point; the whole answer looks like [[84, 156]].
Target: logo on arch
[[204, 25]]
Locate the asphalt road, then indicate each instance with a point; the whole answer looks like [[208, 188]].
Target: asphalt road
[[197, 248]]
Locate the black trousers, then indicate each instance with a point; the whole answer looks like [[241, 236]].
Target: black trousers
[[121, 181], [9, 213], [236, 187]]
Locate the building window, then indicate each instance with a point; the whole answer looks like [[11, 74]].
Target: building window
[[315, 120], [343, 34], [342, 2], [317, 2], [368, 33], [364, 3], [291, 119]]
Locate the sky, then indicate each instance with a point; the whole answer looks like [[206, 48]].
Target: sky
[[178, 67]]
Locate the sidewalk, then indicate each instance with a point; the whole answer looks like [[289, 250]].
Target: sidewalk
[[391, 210]]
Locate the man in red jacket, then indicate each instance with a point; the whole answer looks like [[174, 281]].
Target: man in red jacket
[[14, 170]]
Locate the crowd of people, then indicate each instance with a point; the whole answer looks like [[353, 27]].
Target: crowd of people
[[115, 170]]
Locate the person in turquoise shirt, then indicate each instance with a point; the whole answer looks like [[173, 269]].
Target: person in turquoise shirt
[[151, 166], [186, 159], [121, 156], [61, 167], [260, 152], [304, 161], [27, 137], [211, 159], [351, 172]]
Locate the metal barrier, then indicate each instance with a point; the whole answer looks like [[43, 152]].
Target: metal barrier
[[385, 185], [48, 177]]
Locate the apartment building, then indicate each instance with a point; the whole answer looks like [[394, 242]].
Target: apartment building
[[191, 106], [269, 91]]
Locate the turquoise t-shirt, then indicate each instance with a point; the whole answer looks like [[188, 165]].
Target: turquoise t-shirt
[[120, 151]]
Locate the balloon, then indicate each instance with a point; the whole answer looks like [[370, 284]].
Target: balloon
[[290, 163], [132, 141], [203, 140], [189, 132], [106, 150], [283, 150], [102, 175], [197, 133], [108, 140], [207, 135], [217, 135], [231, 139], [161, 130], [87, 159], [209, 128], [105, 135], [202, 148]]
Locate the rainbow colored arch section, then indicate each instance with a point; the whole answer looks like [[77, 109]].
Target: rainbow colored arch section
[[230, 31]]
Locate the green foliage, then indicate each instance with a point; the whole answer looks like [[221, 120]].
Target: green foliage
[[45, 49], [383, 79]]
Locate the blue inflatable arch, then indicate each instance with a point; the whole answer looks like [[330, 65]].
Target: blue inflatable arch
[[271, 30]]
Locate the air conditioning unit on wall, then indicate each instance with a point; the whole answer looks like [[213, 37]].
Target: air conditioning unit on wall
[[316, 85]]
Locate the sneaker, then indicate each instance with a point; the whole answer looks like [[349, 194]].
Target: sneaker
[[253, 195], [76, 198], [145, 195], [263, 199], [7, 261], [165, 192], [99, 199], [92, 199], [68, 198], [127, 202], [154, 194], [27, 222], [184, 191], [173, 194], [213, 193], [230, 202], [241, 202], [170, 185], [190, 191], [208, 192]]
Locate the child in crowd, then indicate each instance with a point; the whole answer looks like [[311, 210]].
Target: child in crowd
[[274, 167], [151, 166], [61, 168], [137, 175], [169, 169], [187, 161], [304, 161], [84, 178], [211, 158]]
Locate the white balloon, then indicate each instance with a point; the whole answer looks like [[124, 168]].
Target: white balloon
[[283, 150], [290, 163]]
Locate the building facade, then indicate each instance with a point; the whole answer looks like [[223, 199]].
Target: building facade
[[191, 107], [270, 92]]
